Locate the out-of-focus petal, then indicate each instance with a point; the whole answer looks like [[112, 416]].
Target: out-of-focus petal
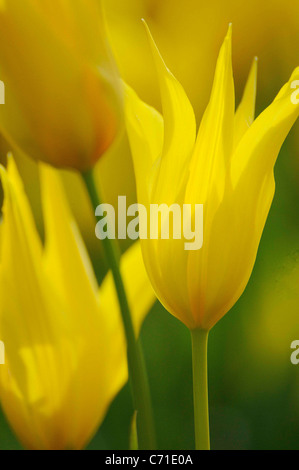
[[32, 326], [139, 289]]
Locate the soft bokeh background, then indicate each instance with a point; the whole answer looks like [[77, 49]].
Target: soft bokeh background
[[253, 385]]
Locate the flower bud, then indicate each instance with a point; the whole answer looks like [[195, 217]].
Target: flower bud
[[63, 96]]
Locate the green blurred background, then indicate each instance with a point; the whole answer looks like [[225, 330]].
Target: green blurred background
[[253, 385]]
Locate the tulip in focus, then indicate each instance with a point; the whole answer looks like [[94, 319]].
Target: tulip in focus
[[190, 34], [63, 99], [227, 167], [65, 350]]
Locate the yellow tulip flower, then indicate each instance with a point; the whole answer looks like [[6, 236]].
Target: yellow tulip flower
[[64, 340], [228, 168], [63, 99]]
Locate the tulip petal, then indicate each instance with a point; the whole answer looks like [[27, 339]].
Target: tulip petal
[[258, 149], [243, 214], [138, 287], [65, 346], [94, 314], [245, 113], [145, 132], [31, 325], [79, 24], [179, 130], [66, 257], [211, 157], [98, 334], [209, 170], [45, 125]]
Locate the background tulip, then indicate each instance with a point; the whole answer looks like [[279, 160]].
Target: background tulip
[[63, 100], [65, 346]]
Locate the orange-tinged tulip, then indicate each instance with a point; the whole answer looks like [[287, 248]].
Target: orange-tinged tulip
[[63, 98]]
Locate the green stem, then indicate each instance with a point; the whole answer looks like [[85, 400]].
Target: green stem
[[200, 388], [137, 372]]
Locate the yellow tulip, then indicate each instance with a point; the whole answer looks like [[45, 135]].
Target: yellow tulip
[[64, 340], [63, 98], [228, 168], [114, 175]]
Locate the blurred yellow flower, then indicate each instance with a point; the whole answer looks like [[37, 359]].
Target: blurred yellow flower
[[63, 98], [64, 341], [228, 168]]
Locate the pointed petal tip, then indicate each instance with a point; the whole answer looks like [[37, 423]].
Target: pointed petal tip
[[10, 162], [158, 59], [229, 31], [225, 54], [255, 63], [4, 179], [227, 43], [149, 36], [2, 170], [147, 29], [254, 67]]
